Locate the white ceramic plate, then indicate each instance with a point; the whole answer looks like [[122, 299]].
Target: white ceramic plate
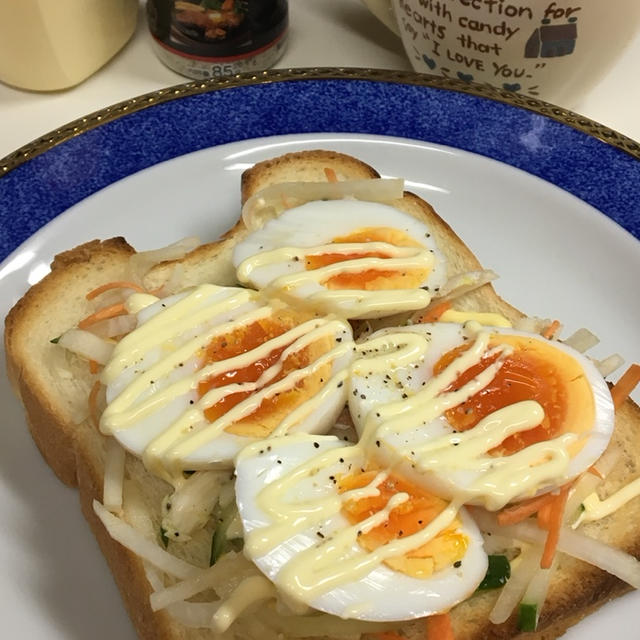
[[557, 258]]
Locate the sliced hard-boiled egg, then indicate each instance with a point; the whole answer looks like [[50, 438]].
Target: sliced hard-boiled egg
[[214, 368], [483, 414], [349, 539], [354, 258]]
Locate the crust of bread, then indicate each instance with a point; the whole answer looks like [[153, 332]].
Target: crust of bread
[[49, 308], [75, 450]]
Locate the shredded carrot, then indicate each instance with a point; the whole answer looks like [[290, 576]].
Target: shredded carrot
[[521, 511], [542, 506], [93, 403], [432, 314], [550, 331], [439, 627], [389, 635], [94, 367], [119, 284], [556, 517], [331, 174], [627, 383], [102, 314], [596, 472], [545, 514]]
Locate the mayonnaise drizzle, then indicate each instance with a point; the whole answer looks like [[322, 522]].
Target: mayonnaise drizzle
[[353, 303], [186, 314], [492, 479], [595, 509], [332, 562], [191, 431], [170, 344]]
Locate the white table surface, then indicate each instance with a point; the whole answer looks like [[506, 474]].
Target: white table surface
[[356, 39]]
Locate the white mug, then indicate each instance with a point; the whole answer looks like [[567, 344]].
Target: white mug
[[555, 50]]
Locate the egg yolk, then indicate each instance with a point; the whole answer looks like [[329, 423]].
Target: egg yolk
[[411, 516], [266, 417], [534, 371], [370, 279]]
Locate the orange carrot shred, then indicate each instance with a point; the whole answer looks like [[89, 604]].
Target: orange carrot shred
[[596, 472], [439, 627], [555, 525], [550, 331], [102, 314], [94, 367], [627, 383], [545, 514], [93, 403], [331, 174], [119, 284], [432, 314], [521, 511]]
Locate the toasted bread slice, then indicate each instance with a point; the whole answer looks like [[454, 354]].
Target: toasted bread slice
[[55, 396], [54, 390]]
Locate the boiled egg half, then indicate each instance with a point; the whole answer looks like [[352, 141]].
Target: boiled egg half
[[354, 258], [483, 414], [212, 369], [349, 539]]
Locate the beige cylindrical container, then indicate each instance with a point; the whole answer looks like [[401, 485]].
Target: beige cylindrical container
[[55, 44]]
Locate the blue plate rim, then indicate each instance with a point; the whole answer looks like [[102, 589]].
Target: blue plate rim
[[602, 169], [175, 92]]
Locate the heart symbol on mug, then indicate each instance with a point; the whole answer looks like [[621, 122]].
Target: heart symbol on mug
[[512, 87], [430, 62], [465, 77]]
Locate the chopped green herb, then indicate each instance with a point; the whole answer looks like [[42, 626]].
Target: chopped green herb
[[498, 572], [220, 544], [55, 340], [527, 617]]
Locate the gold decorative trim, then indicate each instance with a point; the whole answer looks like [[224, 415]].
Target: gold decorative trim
[[586, 125]]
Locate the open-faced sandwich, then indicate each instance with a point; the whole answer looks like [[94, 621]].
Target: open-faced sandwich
[[328, 425]]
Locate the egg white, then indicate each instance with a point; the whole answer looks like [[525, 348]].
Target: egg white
[[220, 451], [381, 595], [317, 223], [368, 391]]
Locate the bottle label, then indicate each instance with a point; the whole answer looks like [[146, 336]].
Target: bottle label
[[208, 38]]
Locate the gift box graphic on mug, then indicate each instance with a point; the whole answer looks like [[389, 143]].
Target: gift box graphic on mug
[[552, 40]]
